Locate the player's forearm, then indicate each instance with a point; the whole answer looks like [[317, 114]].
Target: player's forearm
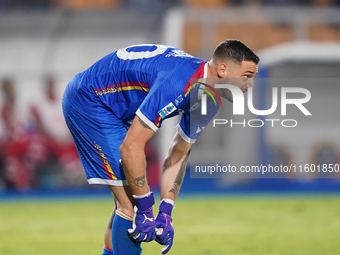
[[134, 164], [172, 176]]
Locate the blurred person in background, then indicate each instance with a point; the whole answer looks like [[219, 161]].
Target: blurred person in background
[[61, 166], [14, 141]]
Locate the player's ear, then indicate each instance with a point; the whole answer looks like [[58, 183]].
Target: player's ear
[[222, 70]]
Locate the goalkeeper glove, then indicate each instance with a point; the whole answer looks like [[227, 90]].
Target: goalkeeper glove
[[164, 228], [143, 226]]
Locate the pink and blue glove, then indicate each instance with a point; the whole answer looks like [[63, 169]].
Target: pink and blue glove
[[143, 226], [164, 228]]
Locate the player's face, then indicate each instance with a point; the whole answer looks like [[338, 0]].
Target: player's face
[[241, 75]]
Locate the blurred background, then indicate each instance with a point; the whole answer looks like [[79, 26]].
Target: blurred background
[[44, 43]]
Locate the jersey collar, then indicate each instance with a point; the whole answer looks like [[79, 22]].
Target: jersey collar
[[200, 92]]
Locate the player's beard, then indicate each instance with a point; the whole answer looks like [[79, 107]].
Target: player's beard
[[225, 93]]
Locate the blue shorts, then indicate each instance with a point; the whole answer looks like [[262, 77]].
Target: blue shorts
[[97, 134]]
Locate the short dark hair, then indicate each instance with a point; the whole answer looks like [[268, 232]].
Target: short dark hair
[[236, 51]]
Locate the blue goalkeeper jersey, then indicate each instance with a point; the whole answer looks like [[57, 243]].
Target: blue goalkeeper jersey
[[155, 82]]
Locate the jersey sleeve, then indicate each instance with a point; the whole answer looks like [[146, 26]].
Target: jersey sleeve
[[156, 107], [193, 122], [162, 99]]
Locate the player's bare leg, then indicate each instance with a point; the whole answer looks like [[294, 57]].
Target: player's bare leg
[[107, 235], [123, 199]]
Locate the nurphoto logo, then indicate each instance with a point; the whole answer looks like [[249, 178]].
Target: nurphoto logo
[[204, 97], [239, 105]]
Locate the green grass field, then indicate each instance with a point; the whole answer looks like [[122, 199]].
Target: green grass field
[[223, 225]]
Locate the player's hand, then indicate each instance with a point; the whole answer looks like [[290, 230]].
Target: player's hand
[[143, 226], [164, 228]]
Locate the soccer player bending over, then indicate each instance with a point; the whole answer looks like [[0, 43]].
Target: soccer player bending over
[[114, 107]]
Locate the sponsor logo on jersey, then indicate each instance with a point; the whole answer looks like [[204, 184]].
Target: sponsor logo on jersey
[[199, 130], [179, 100], [177, 53], [194, 107], [170, 108]]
